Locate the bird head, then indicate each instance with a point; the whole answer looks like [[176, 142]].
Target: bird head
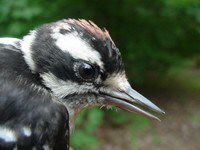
[[81, 65]]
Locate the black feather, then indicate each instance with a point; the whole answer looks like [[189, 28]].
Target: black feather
[[24, 102]]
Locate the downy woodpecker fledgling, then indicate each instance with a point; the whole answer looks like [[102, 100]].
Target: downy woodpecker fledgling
[[52, 74]]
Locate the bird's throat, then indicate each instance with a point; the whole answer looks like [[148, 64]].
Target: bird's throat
[[76, 103]]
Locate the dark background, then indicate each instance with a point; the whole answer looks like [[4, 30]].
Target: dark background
[[160, 44]]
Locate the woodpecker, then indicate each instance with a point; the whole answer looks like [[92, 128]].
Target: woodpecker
[[53, 73]]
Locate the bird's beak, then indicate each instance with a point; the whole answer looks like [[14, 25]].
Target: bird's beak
[[126, 98]]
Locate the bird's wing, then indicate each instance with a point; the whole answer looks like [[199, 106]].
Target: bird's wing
[[30, 117], [10, 44]]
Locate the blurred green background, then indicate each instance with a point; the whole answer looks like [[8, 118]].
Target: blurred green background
[[160, 45]]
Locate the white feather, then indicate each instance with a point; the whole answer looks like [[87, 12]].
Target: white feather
[[26, 44], [7, 135], [27, 131], [60, 25], [9, 41], [117, 81], [77, 47], [46, 147], [62, 88]]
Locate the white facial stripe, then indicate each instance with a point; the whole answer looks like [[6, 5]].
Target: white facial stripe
[[7, 135], [26, 44], [62, 88], [77, 47], [117, 81]]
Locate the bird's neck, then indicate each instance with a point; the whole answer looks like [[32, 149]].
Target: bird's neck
[[75, 104]]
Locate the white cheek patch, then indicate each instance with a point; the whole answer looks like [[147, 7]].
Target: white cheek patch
[[7, 135], [117, 81], [62, 88], [77, 48], [26, 44]]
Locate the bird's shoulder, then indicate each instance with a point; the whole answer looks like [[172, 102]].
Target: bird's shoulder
[[11, 57], [12, 62], [12, 44]]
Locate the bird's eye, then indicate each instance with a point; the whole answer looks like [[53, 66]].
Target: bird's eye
[[86, 71]]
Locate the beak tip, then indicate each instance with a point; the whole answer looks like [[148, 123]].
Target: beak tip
[[157, 109], [161, 111]]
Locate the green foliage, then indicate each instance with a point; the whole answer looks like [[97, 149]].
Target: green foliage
[[118, 118], [155, 38], [152, 35], [87, 122], [82, 139], [195, 117], [134, 122]]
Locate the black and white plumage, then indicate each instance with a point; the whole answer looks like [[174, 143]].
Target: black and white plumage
[[30, 116], [53, 73]]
